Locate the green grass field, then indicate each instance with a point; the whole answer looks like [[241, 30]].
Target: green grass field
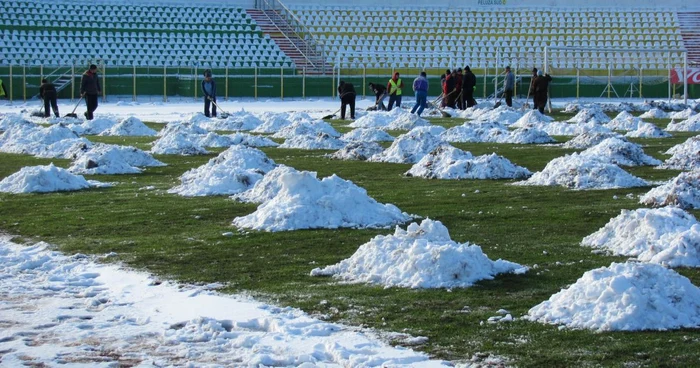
[[181, 238]]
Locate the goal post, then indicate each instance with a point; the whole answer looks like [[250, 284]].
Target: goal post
[[608, 60]]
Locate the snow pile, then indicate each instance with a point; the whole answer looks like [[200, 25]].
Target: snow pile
[[654, 113], [683, 114], [304, 202], [624, 297], [65, 148], [409, 148], [312, 142], [251, 140], [367, 135], [590, 114], [239, 120], [210, 139], [691, 124], [503, 114], [474, 132], [682, 191], [267, 188], [181, 127], [586, 140], [9, 120], [647, 130], [130, 126], [95, 126], [33, 139], [560, 128], [422, 256], [526, 136], [668, 236], [44, 179], [274, 122], [620, 152], [111, 159], [178, 143], [361, 151], [624, 121], [448, 162], [233, 171], [531, 117], [72, 311], [686, 156], [577, 171], [396, 119], [305, 127]]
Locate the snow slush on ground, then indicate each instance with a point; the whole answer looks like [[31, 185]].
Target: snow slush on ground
[[682, 191], [304, 202], [73, 311], [624, 297], [44, 179], [448, 162], [422, 256], [578, 171], [668, 236], [233, 171]]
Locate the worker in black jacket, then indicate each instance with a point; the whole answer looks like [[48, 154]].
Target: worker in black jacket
[[346, 92], [90, 89], [380, 94], [468, 87], [48, 93]]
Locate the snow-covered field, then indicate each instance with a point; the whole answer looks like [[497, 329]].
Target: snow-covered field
[[62, 306]]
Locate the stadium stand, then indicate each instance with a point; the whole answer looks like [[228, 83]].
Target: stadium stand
[[119, 34]]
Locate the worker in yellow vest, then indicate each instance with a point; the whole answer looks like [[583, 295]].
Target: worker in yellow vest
[[394, 89], [3, 93]]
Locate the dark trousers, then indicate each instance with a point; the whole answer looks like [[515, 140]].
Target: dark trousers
[[394, 99], [379, 101], [91, 101], [346, 100], [50, 100], [208, 103], [509, 97], [461, 103], [468, 95]]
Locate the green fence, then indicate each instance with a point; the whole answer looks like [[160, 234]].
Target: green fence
[[22, 83]]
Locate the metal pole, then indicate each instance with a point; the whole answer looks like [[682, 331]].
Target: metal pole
[[609, 80], [11, 85], [41, 72], [24, 82], [72, 81], [364, 81], [640, 82], [104, 79], [303, 83], [685, 77], [669, 76], [195, 82], [165, 83], [578, 83], [485, 80], [134, 83], [226, 82], [255, 82], [282, 83], [333, 83]]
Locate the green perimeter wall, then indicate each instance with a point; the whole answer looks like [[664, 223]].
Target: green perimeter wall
[[278, 83]]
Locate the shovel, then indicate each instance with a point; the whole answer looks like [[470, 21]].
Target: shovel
[[72, 114], [223, 114], [331, 115]]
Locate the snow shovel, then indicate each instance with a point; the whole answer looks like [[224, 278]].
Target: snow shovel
[[526, 105], [434, 104], [72, 114], [40, 112], [331, 116], [223, 114]]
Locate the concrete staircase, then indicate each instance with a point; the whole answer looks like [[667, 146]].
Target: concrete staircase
[[304, 54], [690, 31]]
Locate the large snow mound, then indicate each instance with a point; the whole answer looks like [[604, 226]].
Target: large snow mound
[[250, 140], [396, 119], [531, 117], [233, 171], [409, 148], [624, 297], [267, 188], [313, 142], [367, 135], [590, 114], [181, 127], [358, 151], [588, 139], [577, 171], [111, 159], [692, 124], [273, 122], [95, 126], [669, 236], [236, 121], [44, 179], [448, 162], [620, 152], [422, 256], [691, 145], [685, 156], [503, 114], [305, 127], [304, 202], [682, 191], [130, 126], [624, 121], [654, 113], [179, 143], [33, 139], [647, 130]]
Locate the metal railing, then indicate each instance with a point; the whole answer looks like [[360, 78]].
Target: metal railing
[[311, 48]]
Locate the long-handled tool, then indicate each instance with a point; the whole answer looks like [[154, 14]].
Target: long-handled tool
[[40, 112], [434, 104], [72, 114], [223, 114], [331, 115], [526, 105]]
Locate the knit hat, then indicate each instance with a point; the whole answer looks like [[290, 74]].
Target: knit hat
[[534, 70], [93, 67], [466, 68], [539, 73]]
